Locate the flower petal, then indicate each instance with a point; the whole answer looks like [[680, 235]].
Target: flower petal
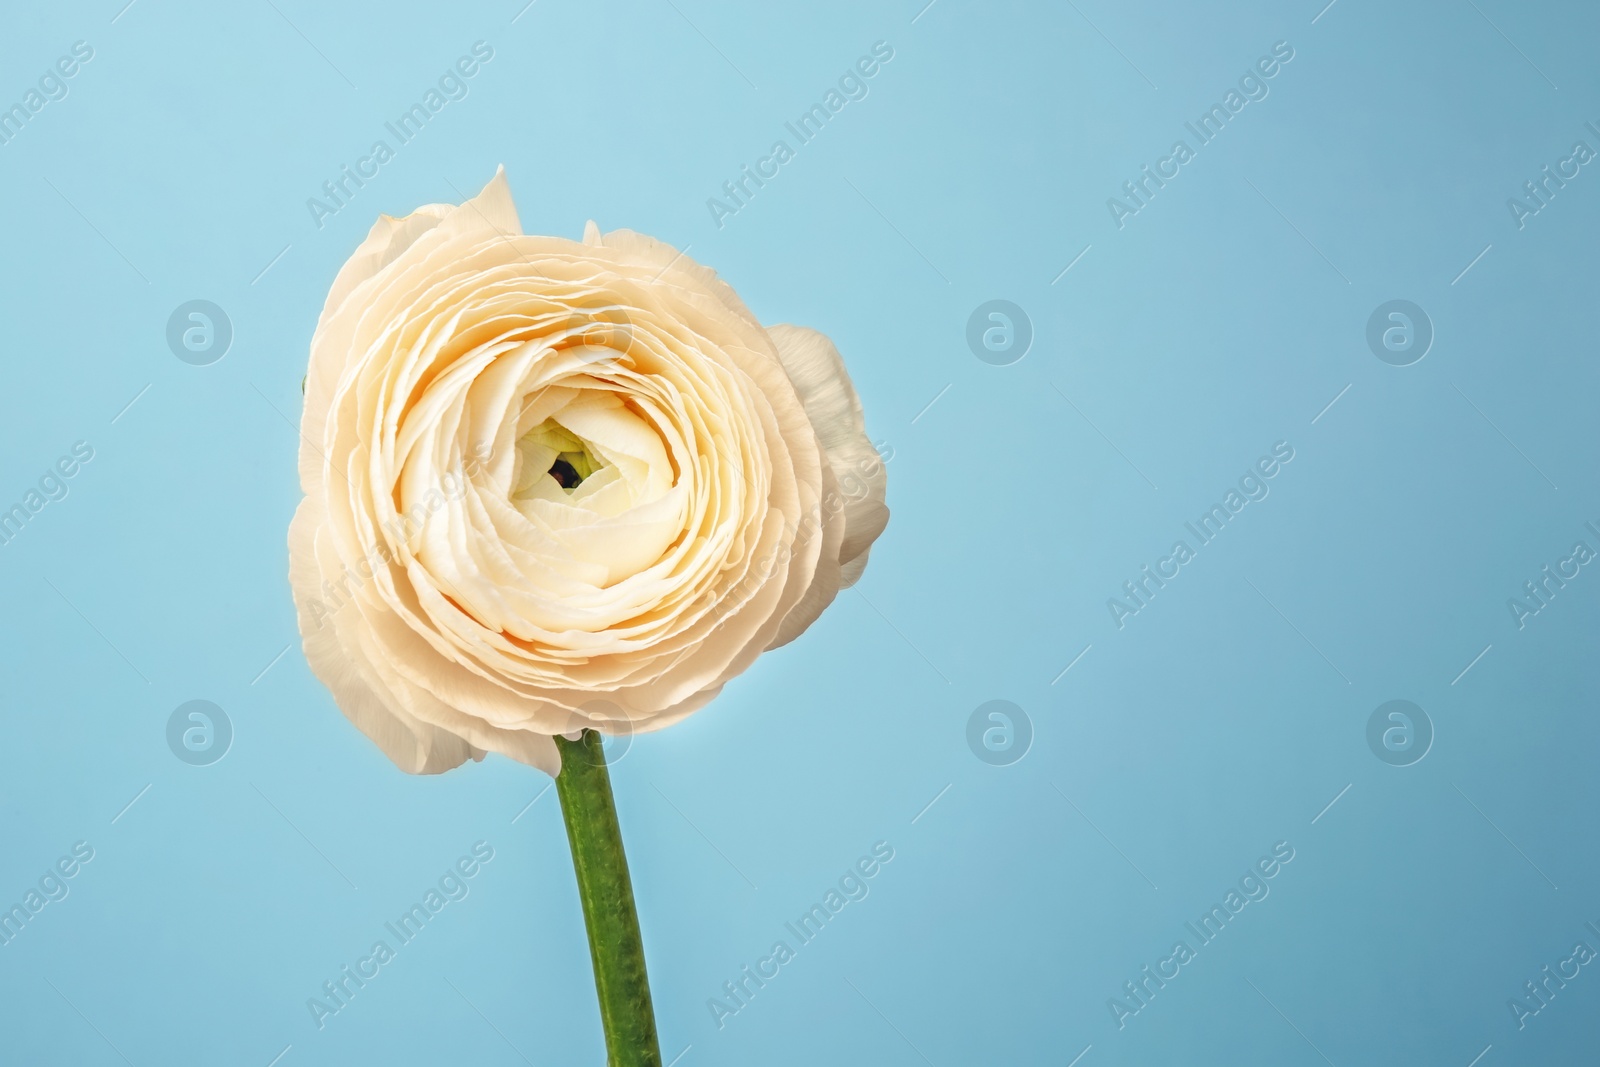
[[819, 376]]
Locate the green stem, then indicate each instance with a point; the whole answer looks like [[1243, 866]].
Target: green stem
[[615, 946]]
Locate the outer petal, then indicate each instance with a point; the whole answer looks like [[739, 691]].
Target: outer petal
[[492, 211], [415, 746], [341, 663], [669, 266], [389, 236], [819, 376]]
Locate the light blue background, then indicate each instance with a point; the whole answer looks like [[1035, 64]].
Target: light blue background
[[1221, 319]]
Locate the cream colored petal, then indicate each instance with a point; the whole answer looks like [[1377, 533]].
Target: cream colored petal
[[672, 267], [819, 376], [414, 746], [851, 572], [390, 236], [828, 528], [492, 212]]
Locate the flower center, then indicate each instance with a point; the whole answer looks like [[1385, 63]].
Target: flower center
[[565, 474], [561, 454], [594, 480]]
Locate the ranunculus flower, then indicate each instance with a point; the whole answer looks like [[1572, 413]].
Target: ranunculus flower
[[553, 484]]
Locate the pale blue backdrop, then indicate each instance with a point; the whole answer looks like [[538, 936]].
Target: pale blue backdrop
[[1175, 340]]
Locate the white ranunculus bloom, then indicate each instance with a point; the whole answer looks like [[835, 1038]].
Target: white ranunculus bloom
[[553, 484]]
